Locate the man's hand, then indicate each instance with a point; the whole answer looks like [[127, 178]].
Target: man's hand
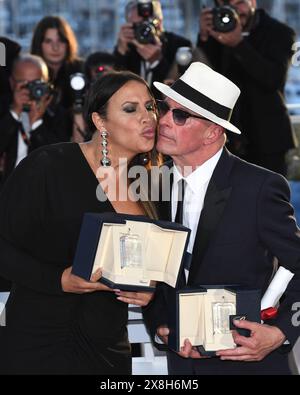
[[149, 52], [75, 284], [263, 340], [126, 35], [38, 108], [21, 97], [137, 298], [187, 351], [206, 23], [230, 39]]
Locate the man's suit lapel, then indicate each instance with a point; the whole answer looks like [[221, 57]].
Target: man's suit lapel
[[217, 195]]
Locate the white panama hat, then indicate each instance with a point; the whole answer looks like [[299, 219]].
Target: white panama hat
[[205, 92]]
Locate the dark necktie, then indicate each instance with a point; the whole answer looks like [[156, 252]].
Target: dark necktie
[[179, 211]]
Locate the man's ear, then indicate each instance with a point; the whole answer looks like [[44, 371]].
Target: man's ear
[[98, 121], [213, 133]]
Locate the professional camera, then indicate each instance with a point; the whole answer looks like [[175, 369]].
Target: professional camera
[[78, 85], [224, 18], [145, 31], [38, 89]]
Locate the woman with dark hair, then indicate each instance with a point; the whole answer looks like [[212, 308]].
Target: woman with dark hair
[[56, 322], [54, 40]]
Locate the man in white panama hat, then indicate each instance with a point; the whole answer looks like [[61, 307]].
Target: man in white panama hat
[[240, 220]]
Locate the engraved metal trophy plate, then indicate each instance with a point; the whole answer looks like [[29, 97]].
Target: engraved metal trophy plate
[[221, 312], [131, 250]]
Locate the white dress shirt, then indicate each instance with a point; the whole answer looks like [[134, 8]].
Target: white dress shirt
[[195, 190]]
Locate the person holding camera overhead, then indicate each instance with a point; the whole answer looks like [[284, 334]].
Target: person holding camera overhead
[[253, 50], [30, 122], [143, 46]]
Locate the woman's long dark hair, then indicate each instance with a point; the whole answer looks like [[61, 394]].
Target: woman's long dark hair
[[65, 32], [97, 100]]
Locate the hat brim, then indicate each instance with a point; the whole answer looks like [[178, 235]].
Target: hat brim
[[169, 92]]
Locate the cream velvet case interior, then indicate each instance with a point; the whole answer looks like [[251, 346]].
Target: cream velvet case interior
[[133, 251]]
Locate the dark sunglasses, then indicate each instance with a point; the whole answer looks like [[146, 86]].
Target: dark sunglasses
[[179, 116]]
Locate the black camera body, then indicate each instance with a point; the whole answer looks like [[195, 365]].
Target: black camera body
[[224, 18], [38, 89], [146, 30]]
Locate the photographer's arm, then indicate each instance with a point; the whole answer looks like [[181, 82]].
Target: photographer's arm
[[269, 68]]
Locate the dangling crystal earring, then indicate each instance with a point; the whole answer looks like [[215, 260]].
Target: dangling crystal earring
[[105, 161]]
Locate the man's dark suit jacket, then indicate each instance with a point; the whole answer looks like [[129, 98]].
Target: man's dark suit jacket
[[55, 128], [259, 66], [246, 220]]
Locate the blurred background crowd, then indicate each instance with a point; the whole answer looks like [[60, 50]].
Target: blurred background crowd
[[62, 45]]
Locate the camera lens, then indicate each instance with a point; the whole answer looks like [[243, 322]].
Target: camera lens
[[144, 32], [224, 19], [38, 92], [37, 89]]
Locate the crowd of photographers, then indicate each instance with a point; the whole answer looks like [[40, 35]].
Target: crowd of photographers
[[42, 94]]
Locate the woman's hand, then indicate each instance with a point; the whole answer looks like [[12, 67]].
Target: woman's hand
[[137, 298], [77, 285]]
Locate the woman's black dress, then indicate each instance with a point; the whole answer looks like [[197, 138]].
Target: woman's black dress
[[48, 331]]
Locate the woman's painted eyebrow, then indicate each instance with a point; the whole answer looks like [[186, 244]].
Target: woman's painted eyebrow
[[134, 102]]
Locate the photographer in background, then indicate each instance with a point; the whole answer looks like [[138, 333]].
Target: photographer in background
[[253, 50], [31, 121], [96, 65], [143, 46]]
